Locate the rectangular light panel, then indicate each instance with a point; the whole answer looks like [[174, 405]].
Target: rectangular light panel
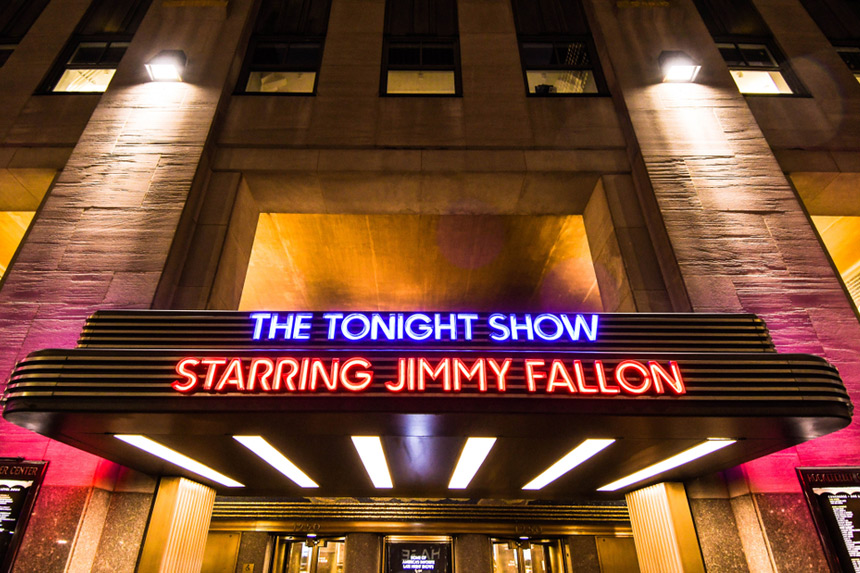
[[473, 455], [370, 451], [694, 453], [175, 458], [576, 456], [276, 459]]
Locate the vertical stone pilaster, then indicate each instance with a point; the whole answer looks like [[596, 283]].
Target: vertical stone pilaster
[[103, 234], [176, 536], [740, 239], [663, 530]]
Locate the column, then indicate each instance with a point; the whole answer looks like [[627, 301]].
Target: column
[[663, 529], [176, 536]]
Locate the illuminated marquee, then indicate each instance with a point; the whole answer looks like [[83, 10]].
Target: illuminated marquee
[[292, 374], [530, 374]]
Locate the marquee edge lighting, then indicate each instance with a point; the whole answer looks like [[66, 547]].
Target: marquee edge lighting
[[471, 458], [573, 458], [177, 459], [276, 459], [370, 451], [700, 450]]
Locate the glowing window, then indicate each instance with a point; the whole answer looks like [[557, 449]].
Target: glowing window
[[284, 67], [756, 69], [561, 68], [421, 68]]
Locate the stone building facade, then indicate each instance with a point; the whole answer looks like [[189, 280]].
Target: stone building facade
[[690, 197]]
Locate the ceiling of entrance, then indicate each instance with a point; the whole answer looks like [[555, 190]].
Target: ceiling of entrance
[[404, 262]]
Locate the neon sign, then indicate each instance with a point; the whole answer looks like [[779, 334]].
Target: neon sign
[[418, 374], [419, 326]]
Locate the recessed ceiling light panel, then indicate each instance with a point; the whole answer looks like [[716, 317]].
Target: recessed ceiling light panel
[[175, 458], [576, 456], [473, 455]]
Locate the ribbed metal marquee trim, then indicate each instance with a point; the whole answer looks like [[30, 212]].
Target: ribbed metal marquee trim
[[268, 509]]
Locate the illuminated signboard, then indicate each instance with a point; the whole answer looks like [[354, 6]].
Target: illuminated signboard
[[833, 495], [19, 483], [651, 382], [417, 554], [544, 374], [419, 326], [417, 374]]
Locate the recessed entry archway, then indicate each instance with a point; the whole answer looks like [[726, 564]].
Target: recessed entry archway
[[408, 262], [501, 241]]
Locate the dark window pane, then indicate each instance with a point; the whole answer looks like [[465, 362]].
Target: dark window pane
[[438, 55], [732, 18], [4, 55], [270, 54], [88, 53], [16, 17], [537, 55], [404, 56], [757, 56], [573, 55], [732, 55], [114, 53], [851, 59], [113, 17], [304, 55], [555, 17]]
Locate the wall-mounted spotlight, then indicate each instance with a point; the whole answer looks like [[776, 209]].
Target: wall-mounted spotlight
[[167, 66], [677, 66]]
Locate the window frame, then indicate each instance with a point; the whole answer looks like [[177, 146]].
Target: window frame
[[594, 68], [136, 12], [781, 64], [421, 41], [63, 62], [248, 67], [846, 47], [8, 40]]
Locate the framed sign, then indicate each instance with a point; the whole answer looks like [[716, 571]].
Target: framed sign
[[19, 483], [833, 495], [408, 554]]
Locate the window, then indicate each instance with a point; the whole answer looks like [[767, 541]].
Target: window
[[421, 52], [840, 22], [747, 46], [851, 57], [529, 556], [90, 58], [754, 68], [285, 52], [16, 17], [290, 554], [556, 50]]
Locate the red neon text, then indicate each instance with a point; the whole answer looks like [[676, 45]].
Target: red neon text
[[289, 374]]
